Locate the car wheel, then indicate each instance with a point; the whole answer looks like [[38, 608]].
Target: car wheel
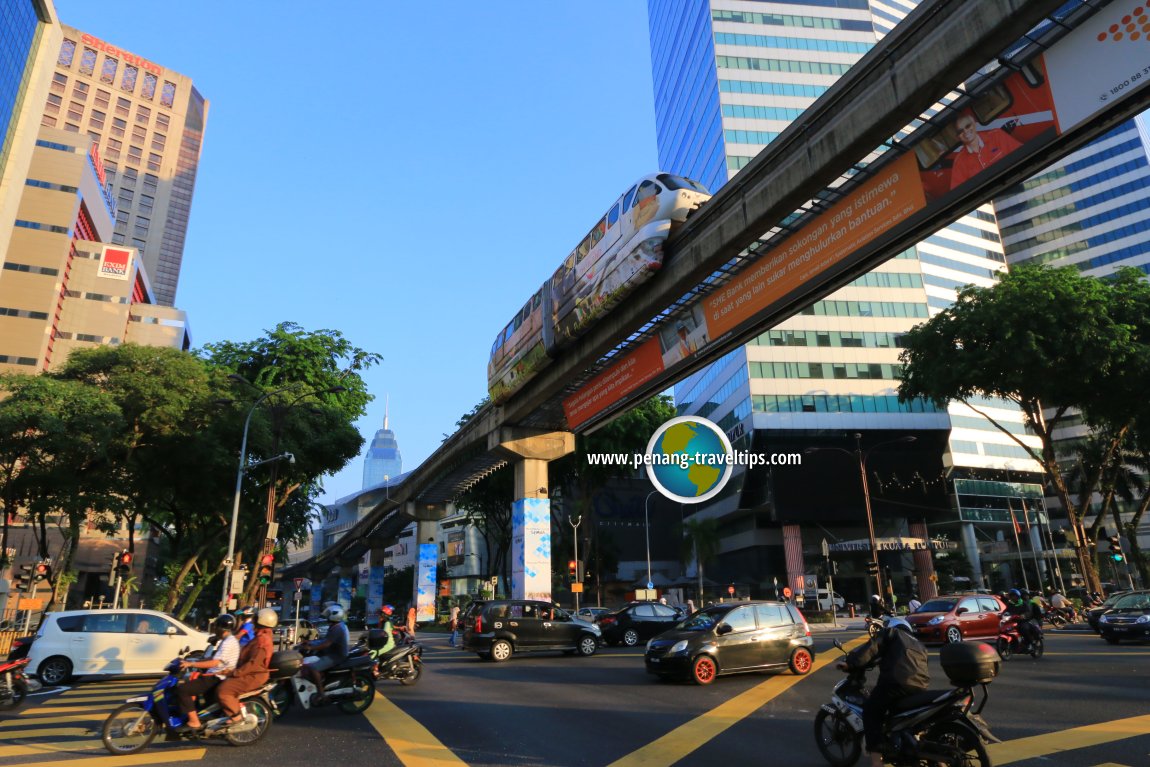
[[500, 650], [55, 670], [1110, 639], [588, 645], [630, 637], [953, 635], [704, 670], [801, 661]]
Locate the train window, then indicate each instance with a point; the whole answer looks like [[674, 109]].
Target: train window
[[584, 247], [627, 199], [536, 300], [613, 216], [646, 189], [598, 232], [678, 182]]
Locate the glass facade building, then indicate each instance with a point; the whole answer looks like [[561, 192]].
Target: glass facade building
[[19, 25], [383, 460]]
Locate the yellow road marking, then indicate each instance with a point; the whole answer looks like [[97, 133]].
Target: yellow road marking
[[45, 711], [73, 699], [1068, 740], [681, 741], [413, 744], [50, 748], [56, 732], [156, 757], [95, 716], [1110, 764]]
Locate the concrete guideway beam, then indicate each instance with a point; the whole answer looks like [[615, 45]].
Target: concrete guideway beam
[[518, 442], [933, 51]]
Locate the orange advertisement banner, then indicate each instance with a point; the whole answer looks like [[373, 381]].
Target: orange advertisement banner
[[615, 383], [871, 210]]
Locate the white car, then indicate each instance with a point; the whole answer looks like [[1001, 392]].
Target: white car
[[83, 642]]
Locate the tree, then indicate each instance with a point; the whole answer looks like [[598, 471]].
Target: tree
[[1053, 342], [700, 542]]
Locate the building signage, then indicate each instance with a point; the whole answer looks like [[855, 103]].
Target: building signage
[[97, 164], [127, 58], [116, 262], [895, 544]]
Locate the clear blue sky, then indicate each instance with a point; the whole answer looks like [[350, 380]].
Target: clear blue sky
[[405, 173]]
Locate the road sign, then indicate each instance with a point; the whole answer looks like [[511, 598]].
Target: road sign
[[27, 603], [237, 581], [298, 596], [787, 592], [731, 590], [826, 549], [298, 583], [576, 588], [650, 585]]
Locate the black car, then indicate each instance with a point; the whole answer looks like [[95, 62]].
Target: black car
[[1128, 618], [1094, 613], [733, 638], [496, 629], [637, 621]]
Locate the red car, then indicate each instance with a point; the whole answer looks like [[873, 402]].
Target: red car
[[953, 618]]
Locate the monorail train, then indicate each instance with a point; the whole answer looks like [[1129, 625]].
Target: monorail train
[[620, 252]]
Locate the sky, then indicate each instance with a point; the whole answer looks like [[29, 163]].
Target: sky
[[404, 173]]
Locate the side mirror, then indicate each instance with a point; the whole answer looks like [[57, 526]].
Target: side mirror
[[961, 610], [724, 628], [185, 650], [837, 644], [171, 630]]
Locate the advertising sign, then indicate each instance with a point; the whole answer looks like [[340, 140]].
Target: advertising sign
[[116, 262], [531, 549], [1013, 118], [425, 582]]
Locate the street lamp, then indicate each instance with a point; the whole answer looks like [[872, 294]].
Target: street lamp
[[574, 522], [862, 455], [647, 528]]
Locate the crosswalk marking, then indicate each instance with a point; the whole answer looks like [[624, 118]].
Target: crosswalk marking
[[154, 757], [23, 721], [45, 711], [1021, 749], [56, 732], [50, 748]]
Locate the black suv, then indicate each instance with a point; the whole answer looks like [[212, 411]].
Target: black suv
[[732, 638], [496, 629], [637, 621]]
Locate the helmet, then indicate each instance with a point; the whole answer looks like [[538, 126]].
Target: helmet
[[387, 609], [875, 598], [268, 618], [893, 622], [1014, 594], [225, 622], [333, 613], [247, 612]]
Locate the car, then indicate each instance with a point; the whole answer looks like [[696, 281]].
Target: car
[[590, 613], [1128, 618], [955, 617], [498, 628], [1094, 613], [636, 622], [108, 642], [733, 638], [824, 600], [285, 631]]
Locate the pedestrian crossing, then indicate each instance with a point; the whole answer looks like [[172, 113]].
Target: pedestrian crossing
[[65, 729]]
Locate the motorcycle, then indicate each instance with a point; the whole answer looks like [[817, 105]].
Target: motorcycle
[[132, 726], [1011, 642], [936, 726], [403, 663], [13, 684], [348, 685], [873, 625]]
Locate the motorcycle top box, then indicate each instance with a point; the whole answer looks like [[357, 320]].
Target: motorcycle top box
[[376, 638], [285, 663], [967, 663]]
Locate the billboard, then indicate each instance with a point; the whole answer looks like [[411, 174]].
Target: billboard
[[116, 262], [1012, 118]]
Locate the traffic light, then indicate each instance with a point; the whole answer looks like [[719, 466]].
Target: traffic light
[[124, 563], [23, 578], [41, 572], [872, 568], [572, 570], [1116, 549], [266, 573]]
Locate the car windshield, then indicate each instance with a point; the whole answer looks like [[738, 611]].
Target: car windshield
[[704, 620], [938, 606], [1133, 602]]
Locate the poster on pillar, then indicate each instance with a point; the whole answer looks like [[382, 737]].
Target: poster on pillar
[[346, 589], [425, 583], [316, 599], [374, 593], [531, 549]]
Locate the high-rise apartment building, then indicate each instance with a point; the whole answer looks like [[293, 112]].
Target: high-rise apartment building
[[148, 122], [729, 77]]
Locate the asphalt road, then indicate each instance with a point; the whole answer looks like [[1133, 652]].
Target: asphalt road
[[1085, 704]]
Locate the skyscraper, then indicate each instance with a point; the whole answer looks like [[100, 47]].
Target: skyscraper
[[729, 77], [383, 459], [148, 123]]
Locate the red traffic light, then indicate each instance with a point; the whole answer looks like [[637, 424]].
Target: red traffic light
[[125, 558], [266, 572], [41, 571], [268, 560]]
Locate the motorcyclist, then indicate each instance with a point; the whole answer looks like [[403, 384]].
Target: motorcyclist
[[1061, 604], [902, 663], [1019, 607], [252, 668], [247, 630], [388, 629], [332, 649], [222, 659], [878, 607]]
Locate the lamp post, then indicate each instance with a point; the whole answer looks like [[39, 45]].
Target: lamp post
[[574, 522], [862, 455], [647, 530]]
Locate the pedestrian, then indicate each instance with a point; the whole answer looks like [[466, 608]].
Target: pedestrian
[[411, 621], [913, 604], [454, 623], [690, 607]]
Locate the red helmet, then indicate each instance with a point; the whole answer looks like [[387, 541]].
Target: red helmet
[[387, 609]]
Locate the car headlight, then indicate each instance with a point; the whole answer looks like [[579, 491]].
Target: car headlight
[[650, 642], [680, 646], [1103, 619], [1143, 619], [936, 620]]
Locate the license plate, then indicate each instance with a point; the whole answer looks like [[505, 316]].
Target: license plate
[[140, 699], [653, 660]]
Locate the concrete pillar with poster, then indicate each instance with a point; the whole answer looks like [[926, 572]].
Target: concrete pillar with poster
[[793, 549]]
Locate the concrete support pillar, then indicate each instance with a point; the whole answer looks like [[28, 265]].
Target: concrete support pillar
[[531, 506], [347, 575], [970, 547], [923, 563], [793, 549], [375, 570], [426, 587]]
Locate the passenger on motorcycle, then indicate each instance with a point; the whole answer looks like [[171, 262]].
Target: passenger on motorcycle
[[902, 663], [1025, 611], [222, 659], [252, 668], [332, 649], [1061, 604], [247, 631]]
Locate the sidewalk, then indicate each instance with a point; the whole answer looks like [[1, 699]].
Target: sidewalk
[[844, 624]]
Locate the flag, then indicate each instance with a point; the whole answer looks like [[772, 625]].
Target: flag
[[1014, 519]]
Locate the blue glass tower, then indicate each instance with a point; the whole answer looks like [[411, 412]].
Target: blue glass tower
[[383, 460]]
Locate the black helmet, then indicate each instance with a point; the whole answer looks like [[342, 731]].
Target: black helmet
[[1014, 594], [225, 622]]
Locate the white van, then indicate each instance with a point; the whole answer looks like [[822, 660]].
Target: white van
[[824, 600]]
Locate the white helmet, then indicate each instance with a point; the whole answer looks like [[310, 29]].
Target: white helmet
[[333, 613], [893, 622], [267, 618]]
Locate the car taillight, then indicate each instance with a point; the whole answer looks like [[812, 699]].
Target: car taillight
[[478, 624], [607, 619]]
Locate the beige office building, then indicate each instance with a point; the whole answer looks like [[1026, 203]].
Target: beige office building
[[148, 123]]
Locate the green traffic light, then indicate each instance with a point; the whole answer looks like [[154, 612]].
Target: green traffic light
[[1118, 557]]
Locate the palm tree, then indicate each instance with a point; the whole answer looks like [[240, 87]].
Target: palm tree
[[700, 541]]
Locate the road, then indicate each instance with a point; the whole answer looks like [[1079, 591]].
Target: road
[[1085, 704]]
